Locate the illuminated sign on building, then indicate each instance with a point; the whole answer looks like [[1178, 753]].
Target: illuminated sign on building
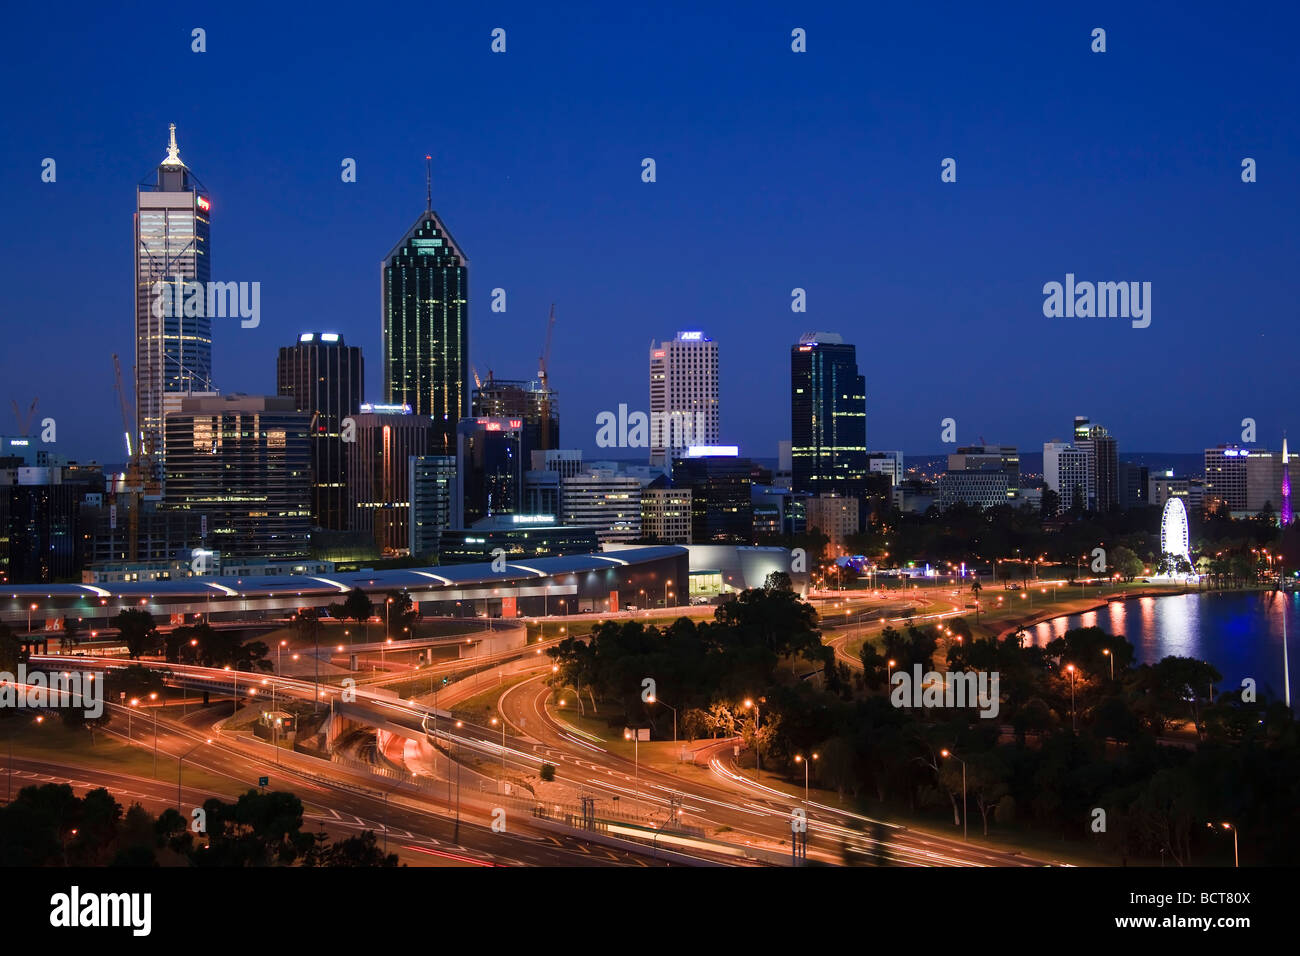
[[204, 204]]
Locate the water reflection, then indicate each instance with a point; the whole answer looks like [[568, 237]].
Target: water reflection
[[1240, 634]]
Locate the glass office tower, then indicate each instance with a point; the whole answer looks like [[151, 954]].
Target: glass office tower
[[828, 416], [173, 351], [426, 333], [326, 378]]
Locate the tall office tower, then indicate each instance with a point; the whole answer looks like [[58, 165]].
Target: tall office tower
[[378, 471], [602, 500], [722, 508], [245, 462], [173, 349], [828, 416], [1103, 465], [683, 396], [1065, 471], [537, 407], [426, 327], [489, 468], [326, 379], [432, 481]]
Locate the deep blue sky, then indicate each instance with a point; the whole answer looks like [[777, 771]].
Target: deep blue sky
[[775, 170]]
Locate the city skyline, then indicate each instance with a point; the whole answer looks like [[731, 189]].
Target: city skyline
[[1030, 205]]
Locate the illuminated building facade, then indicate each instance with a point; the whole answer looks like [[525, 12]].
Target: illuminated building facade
[[828, 416], [426, 327], [173, 352]]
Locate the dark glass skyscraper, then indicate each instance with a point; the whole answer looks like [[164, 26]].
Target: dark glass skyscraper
[[173, 351], [426, 333], [326, 379], [828, 416]]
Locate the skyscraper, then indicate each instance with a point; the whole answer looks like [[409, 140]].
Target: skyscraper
[[683, 395], [173, 351], [1065, 471], [1103, 464], [489, 469], [828, 416], [326, 379], [1286, 515], [426, 327]]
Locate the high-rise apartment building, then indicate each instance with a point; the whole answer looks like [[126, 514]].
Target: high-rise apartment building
[[1103, 465], [683, 396], [1003, 458], [835, 516], [173, 344], [1065, 471], [426, 327], [244, 461], [828, 416], [326, 379]]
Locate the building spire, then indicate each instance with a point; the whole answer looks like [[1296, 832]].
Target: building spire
[[173, 151], [428, 182]]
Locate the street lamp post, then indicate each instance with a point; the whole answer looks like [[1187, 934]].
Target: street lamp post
[[503, 751], [1106, 651], [654, 700], [636, 763], [758, 754], [949, 753], [153, 695], [1236, 859], [798, 758]]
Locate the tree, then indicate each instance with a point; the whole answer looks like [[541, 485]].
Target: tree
[[356, 606], [401, 612], [1126, 564], [138, 631]]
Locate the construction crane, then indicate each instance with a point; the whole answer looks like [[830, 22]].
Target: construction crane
[[542, 362], [24, 424]]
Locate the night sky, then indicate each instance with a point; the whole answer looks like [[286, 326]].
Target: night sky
[[775, 170]]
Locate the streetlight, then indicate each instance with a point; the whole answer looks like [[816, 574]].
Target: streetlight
[[153, 695], [798, 758], [1074, 724], [949, 753], [135, 702], [636, 763], [33, 608], [889, 670], [1106, 651], [180, 762], [40, 718], [667, 585], [503, 749], [654, 700], [758, 756], [1236, 860]]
